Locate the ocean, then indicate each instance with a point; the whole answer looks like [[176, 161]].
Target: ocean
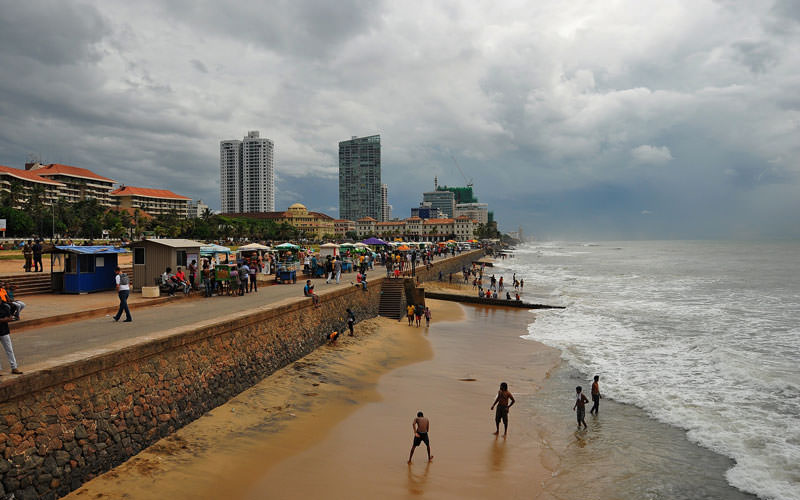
[[697, 344]]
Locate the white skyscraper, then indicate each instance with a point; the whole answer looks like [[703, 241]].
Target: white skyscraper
[[247, 174], [386, 209]]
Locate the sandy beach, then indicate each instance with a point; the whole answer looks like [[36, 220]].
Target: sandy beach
[[337, 423]]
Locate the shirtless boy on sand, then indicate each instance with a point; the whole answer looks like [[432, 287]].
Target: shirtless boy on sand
[[421, 425], [502, 403]]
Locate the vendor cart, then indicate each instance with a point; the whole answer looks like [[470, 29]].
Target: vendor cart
[[287, 263]]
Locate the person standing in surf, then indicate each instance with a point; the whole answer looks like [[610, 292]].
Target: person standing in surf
[[595, 396], [580, 405], [421, 426], [503, 401]]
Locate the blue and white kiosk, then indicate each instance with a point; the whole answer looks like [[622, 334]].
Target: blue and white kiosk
[[79, 269]]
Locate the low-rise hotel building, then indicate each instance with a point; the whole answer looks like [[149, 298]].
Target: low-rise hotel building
[[153, 201], [78, 183], [22, 183]]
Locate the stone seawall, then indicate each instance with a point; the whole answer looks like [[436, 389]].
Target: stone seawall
[[62, 426]]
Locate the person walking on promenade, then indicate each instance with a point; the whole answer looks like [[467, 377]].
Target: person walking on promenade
[[427, 316], [27, 252], [37, 256], [580, 406], [596, 396], [504, 401], [410, 314], [5, 336], [252, 276], [421, 427], [328, 270], [337, 269], [123, 291], [208, 282], [244, 274], [418, 311], [193, 274], [234, 283], [351, 320]]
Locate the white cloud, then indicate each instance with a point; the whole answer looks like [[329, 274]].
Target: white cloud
[[651, 155]]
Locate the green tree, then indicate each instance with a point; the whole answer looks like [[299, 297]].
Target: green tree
[[18, 222]]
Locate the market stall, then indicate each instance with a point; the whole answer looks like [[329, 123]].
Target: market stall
[[287, 263], [329, 249], [347, 252], [218, 253], [79, 269]]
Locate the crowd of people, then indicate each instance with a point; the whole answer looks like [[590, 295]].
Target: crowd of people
[[496, 286]]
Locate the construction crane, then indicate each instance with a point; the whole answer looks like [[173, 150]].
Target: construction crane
[[469, 182]]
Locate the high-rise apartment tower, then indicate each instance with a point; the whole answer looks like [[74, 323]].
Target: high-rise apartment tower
[[247, 174], [360, 178], [386, 209]]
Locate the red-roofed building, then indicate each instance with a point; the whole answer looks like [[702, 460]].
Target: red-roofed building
[[311, 224], [365, 226], [438, 229], [153, 201], [78, 183], [343, 226], [21, 183]]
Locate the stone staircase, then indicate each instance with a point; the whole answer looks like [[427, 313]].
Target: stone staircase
[[34, 283], [393, 298]]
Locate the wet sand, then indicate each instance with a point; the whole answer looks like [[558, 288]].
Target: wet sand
[[337, 424]]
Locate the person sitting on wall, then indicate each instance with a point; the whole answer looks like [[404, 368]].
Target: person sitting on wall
[[308, 291], [361, 280]]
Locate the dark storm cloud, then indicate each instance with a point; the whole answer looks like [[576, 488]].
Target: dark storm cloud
[[299, 27], [571, 118], [757, 56], [51, 32]]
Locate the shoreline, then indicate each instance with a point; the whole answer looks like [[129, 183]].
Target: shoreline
[[238, 446]]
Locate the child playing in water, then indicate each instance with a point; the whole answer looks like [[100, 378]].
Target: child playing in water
[[580, 405]]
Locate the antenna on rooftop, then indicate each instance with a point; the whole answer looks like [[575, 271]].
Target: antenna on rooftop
[[469, 182]]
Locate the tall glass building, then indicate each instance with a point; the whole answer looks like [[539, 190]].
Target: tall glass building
[[360, 178]]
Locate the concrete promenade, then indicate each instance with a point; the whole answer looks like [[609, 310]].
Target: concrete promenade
[[34, 346], [41, 346]]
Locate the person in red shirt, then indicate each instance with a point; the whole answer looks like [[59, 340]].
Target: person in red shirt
[[181, 278]]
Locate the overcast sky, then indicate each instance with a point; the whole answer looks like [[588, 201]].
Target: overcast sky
[[582, 119]]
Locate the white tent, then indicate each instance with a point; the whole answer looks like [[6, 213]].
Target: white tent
[[253, 246], [329, 249]]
